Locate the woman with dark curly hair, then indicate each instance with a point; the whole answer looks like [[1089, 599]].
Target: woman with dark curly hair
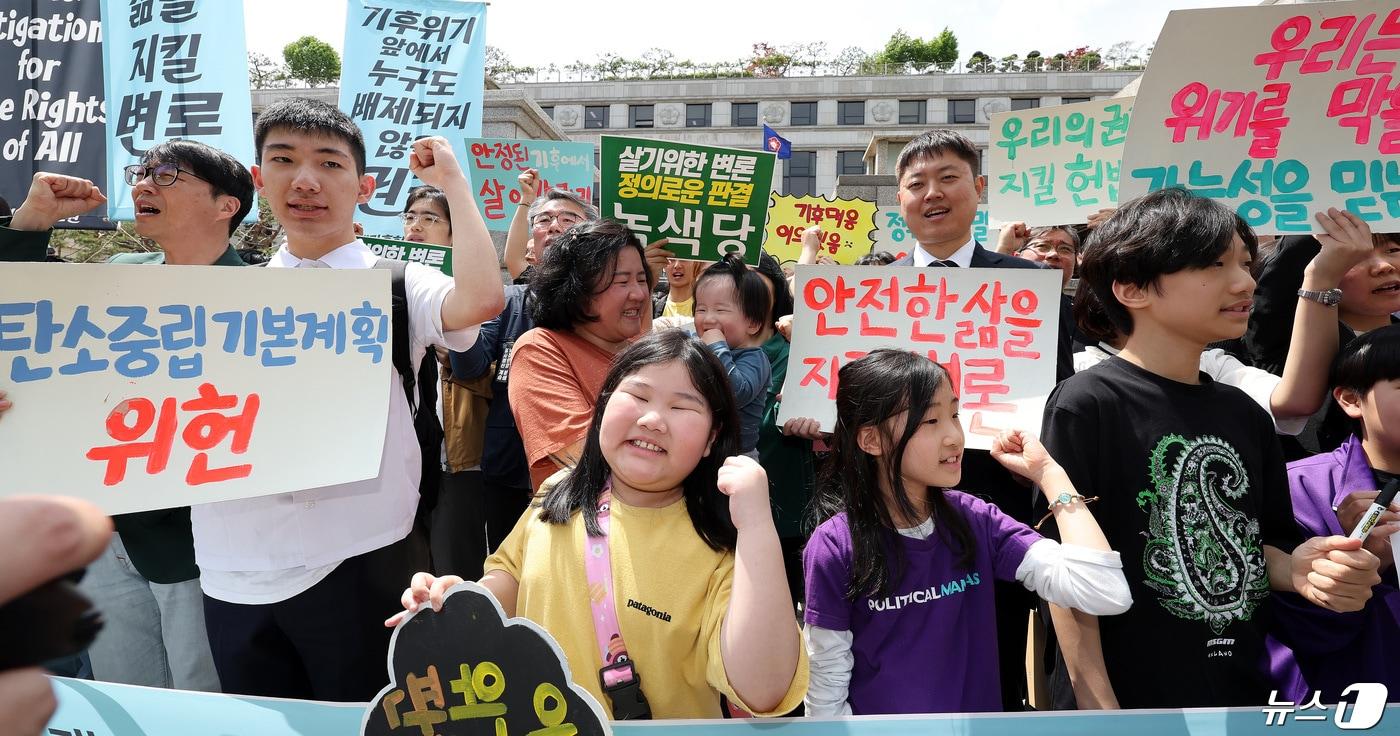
[[590, 297]]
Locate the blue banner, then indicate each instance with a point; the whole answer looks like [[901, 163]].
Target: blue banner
[[173, 70], [494, 167], [103, 709], [412, 68]]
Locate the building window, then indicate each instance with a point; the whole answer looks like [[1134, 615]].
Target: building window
[[744, 114], [595, 116], [697, 115], [962, 111], [850, 113], [549, 111], [1073, 100], [850, 163], [803, 113], [800, 174], [911, 112], [1025, 103], [640, 116]]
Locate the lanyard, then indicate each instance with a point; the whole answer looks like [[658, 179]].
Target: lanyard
[[618, 675]]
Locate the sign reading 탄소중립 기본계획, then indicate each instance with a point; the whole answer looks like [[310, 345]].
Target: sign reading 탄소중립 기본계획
[[1056, 165], [847, 226], [412, 68], [169, 75], [142, 388], [994, 330], [1277, 111], [52, 114], [494, 166], [707, 201]]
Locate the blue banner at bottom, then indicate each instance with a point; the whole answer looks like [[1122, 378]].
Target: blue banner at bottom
[[88, 708]]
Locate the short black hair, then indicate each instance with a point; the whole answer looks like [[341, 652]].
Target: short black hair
[[937, 142], [226, 174], [769, 268], [1367, 360], [574, 268], [877, 258], [305, 115], [1161, 233], [433, 194], [748, 285]]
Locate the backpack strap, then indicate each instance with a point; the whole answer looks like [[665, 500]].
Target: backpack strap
[[399, 346]]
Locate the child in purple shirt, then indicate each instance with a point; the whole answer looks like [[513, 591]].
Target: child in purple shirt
[[899, 607], [1325, 650]]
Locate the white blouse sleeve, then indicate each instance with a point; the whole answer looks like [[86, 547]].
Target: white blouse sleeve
[[1076, 577]]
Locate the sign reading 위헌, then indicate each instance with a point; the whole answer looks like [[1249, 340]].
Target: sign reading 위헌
[[1278, 111], [993, 330], [1056, 165], [494, 166], [707, 201], [846, 227], [139, 388], [413, 68]]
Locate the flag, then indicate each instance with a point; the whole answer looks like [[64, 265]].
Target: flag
[[776, 143]]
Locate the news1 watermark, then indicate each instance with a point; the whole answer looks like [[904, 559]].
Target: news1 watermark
[[1360, 707]]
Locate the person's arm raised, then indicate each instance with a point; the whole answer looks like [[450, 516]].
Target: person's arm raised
[[478, 295], [518, 237], [54, 197]]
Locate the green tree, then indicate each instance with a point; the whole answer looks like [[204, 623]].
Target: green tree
[[980, 62], [903, 48], [767, 61], [312, 61], [264, 73]]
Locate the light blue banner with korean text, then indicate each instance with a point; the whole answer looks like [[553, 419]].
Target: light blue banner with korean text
[[412, 68], [174, 69]]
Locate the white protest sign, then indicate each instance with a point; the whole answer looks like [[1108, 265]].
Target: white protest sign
[[1277, 111], [1056, 165], [995, 330], [141, 387]]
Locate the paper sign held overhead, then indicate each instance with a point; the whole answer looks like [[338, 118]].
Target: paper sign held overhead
[[847, 226]]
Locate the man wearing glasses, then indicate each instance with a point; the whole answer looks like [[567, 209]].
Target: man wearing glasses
[[189, 198], [1056, 247]]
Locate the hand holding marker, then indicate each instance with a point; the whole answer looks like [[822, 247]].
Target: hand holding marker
[[1373, 514]]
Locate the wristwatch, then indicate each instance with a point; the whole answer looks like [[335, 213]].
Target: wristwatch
[[1328, 298]]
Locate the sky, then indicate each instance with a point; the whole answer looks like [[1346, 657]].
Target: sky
[[542, 32]]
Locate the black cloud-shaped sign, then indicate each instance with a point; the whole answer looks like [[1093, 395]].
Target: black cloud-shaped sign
[[458, 671]]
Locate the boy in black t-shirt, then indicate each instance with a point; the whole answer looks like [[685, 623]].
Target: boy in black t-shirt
[[1188, 471]]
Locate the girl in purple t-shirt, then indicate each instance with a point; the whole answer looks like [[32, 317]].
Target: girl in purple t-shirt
[[899, 609]]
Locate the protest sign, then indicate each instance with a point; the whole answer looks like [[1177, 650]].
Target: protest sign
[[412, 68], [169, 76], [894, 236], [394, 249], [708, 201], [467, 670], [1056, 165], [52, 116], [494, 165], [846, 227], [1277, 111], [143, 388], [994, 330]]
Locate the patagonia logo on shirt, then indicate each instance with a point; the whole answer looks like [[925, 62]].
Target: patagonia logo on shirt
[[926, 595], [648, 610]]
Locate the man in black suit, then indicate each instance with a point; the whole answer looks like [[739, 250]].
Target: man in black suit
[[939, 190]]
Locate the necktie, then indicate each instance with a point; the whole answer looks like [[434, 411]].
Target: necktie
[[942, 264]]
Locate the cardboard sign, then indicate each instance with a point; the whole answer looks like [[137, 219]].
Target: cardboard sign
[[494, 166], [708, 201], [169, 75], [51, 111], [413, 68], [1278, 111], [467, 670], [1056, 165], [846, 225], [394, 249], [994, 330], [139, 388], [893, 235]]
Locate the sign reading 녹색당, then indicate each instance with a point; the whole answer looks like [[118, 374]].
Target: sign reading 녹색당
[[846, 224], [707, 201], [993, 330], [142, 388], [1056, 165], [1278, 111], [169, 75], [494, 166], [412, 68], [51, 111]]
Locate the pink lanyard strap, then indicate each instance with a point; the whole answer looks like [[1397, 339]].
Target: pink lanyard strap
[[597, 562]]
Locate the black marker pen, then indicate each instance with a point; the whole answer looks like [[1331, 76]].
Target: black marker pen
[[1378, 507]]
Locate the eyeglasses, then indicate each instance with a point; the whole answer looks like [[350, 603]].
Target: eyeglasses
[[567, 219], [1045, 248], [163, 175], [413, 218]]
